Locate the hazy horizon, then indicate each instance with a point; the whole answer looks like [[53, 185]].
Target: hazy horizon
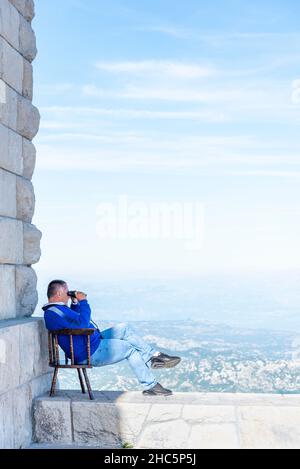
[[257, 301]]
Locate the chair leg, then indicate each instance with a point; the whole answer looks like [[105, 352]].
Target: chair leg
[[88, 384], [81, 381], [53, 386]]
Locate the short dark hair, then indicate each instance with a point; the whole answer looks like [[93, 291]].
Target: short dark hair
[[54, 286]]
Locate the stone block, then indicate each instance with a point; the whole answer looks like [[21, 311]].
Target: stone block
[[165, 435], [27, 80], [10, 150], [41, 364], [4, 149], [218, 436], [269, 427], [33, 350], [31, 242], [22, 425], [7, 429], [29, 158], [25, 7], [27, 40], [11, 241], [8, 206], [96, 425], [9, 358], [132, 418], [209, 414], [23, 354], [2, 93], [26, 292], [41, 385], [28, 119], [15, 413], [11, 66], [9, 23], [7, 293], [15, 152], [24, 375], [25, 200], [8, 106], [52, 421], [164, 412]]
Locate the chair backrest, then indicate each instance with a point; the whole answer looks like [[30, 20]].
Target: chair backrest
[[53, 345]]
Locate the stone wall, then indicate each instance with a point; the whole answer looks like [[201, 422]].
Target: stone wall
[[19, 122], [24, 375], [24, 372]]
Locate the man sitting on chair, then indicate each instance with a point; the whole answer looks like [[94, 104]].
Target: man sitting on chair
[[107, 347]]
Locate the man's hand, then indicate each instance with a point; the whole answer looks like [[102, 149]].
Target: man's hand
[[81, 296]]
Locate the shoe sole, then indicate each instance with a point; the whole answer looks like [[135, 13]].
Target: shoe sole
[[170, 364], [157, 394]]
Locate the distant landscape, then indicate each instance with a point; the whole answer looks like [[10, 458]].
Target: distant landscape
[[234, 334], [215, 358]]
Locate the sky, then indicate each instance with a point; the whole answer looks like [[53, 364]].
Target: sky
[[151, 104]]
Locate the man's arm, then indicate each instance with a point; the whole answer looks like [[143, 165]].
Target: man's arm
[[83, 313]]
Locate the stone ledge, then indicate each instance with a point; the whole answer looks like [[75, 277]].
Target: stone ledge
[[15, 412], [24, 375], [24, 352], [37, 446], [181, 421]]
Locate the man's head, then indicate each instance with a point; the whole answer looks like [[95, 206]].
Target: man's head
[[58, 292]]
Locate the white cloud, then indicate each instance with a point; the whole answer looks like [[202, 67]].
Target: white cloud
[[55, 88], [296, 92], [125, 151], [168, 30], [265, 173], [94, 91], [165, 94], [205, 116], [225, 38], [158, 67], [55, 125], [234, 101]]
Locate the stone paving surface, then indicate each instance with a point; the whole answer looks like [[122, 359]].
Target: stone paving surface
[[181, 421]]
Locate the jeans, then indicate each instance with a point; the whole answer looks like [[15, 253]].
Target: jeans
[[122, 343]]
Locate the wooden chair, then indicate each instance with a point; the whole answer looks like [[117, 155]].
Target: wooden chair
[[54, 360]]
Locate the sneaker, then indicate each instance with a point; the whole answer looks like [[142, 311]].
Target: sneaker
[[164, 361], [157, 390]]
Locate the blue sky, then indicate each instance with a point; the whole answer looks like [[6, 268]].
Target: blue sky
[[168, 101]]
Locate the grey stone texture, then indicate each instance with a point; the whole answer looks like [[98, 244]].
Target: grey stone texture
[[7, 291], [25, 200], [24, 375], [24, 372], [29, 158], [26, 296], [25, 7], [32, 238], [181, 421], [19, 123]]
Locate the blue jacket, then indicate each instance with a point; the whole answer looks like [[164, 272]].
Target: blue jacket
[[76, 317]]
